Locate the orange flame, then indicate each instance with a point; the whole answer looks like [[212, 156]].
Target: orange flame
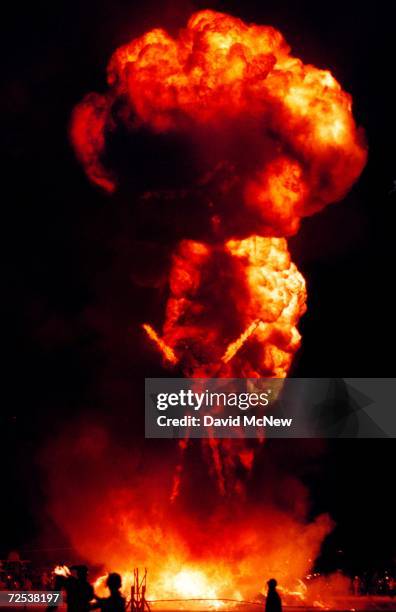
[[62, 570], [222, 77], [166, 350], [275, 141], [234, 347], [237, 84], [266, 288]]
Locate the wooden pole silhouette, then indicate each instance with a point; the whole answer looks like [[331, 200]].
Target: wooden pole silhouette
[[138, 592]]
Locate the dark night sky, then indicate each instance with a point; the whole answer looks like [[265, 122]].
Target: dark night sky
[[67, 265]]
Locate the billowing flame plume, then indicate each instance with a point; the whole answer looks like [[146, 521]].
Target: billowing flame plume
[[285, 146], [273, 141]]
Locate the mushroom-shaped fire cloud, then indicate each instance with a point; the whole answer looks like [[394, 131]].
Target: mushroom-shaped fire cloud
[[274, 140]]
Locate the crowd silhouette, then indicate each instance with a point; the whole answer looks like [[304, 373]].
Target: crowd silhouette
[[80, 594]]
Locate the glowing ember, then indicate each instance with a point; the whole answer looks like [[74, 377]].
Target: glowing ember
[[234, 347], [62, 570], [167, 352]]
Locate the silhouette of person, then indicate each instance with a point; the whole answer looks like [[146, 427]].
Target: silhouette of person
[[273, 602], [115, 602], [79, 592]]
